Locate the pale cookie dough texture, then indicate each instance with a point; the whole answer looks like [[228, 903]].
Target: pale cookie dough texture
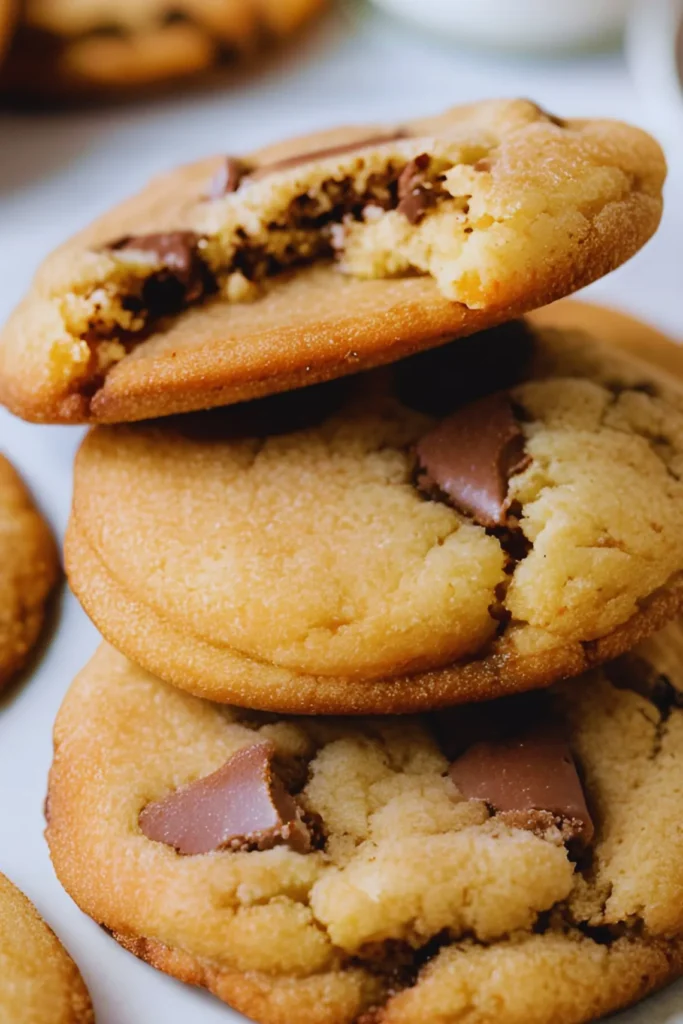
[[239, 277], [28, 571], [39, 982], [91, 47], [415, 904], [306, 571]]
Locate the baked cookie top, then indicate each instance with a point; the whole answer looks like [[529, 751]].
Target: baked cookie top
[[483, 518], [39, 982], [214, 284], [28, 571], [503, 863], [67, 49]]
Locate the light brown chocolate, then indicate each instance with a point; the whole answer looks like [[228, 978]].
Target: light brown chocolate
[[471, 455], [242, 806], [530, 780], [323, 154], [227, 178]]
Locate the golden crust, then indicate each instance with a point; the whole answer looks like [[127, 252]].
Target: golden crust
[[221, 674], [501, 985], [43, 984], [317, 325], [282, 936], [29, 568], [128, 569]]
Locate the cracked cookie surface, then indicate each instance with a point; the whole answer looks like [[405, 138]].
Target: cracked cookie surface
[[39, 982], [288, 555], [28, 571], [97, 47], [215, 284], [415, 901]]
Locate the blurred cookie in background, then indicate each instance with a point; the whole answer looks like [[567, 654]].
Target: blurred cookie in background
[[29, 568], [85, 49], [7, 12], [39, 982]]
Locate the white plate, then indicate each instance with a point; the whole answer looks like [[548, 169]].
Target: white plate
[[57, 173], [529, 25], [655, 52]]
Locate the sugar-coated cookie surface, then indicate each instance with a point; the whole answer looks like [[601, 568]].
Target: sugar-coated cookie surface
[[92, 47], [427, 889], [200, 291], [28, 571], [39, 982], [365, 546]]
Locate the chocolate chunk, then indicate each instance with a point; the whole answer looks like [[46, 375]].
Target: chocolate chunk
[[242, 806], [183, 276], [323, 154], [227, 178], [442, 379], [458, 728], [415, 193], [471, 455], [529, 780]]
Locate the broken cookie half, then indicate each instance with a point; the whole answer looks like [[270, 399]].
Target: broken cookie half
[[243, 276]]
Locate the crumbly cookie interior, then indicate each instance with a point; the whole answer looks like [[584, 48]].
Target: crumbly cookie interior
[[461, 206], [410, 884]]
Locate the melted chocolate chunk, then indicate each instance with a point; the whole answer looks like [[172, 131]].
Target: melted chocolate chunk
[[415, 192], [440, 380], [183, 276], [242, 806], [530, 780], [471, 455], [227, 178], [323, 154]]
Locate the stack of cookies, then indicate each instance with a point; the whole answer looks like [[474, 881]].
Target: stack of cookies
[[370, 740]]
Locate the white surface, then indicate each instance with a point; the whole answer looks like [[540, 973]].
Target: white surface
[[526, 24], [55, 174]]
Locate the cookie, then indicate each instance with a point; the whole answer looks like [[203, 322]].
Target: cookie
[[521, 864], [481, 519], [215, 284], [97, 47], [7, 16], [29, 568], [39, 982], [618, 328]]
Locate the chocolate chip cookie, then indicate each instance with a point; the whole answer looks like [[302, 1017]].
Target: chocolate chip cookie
[[480, 519], [497, 864], [39, 982], [28, 571], [7, 17], [95, 47], [244, 276]]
